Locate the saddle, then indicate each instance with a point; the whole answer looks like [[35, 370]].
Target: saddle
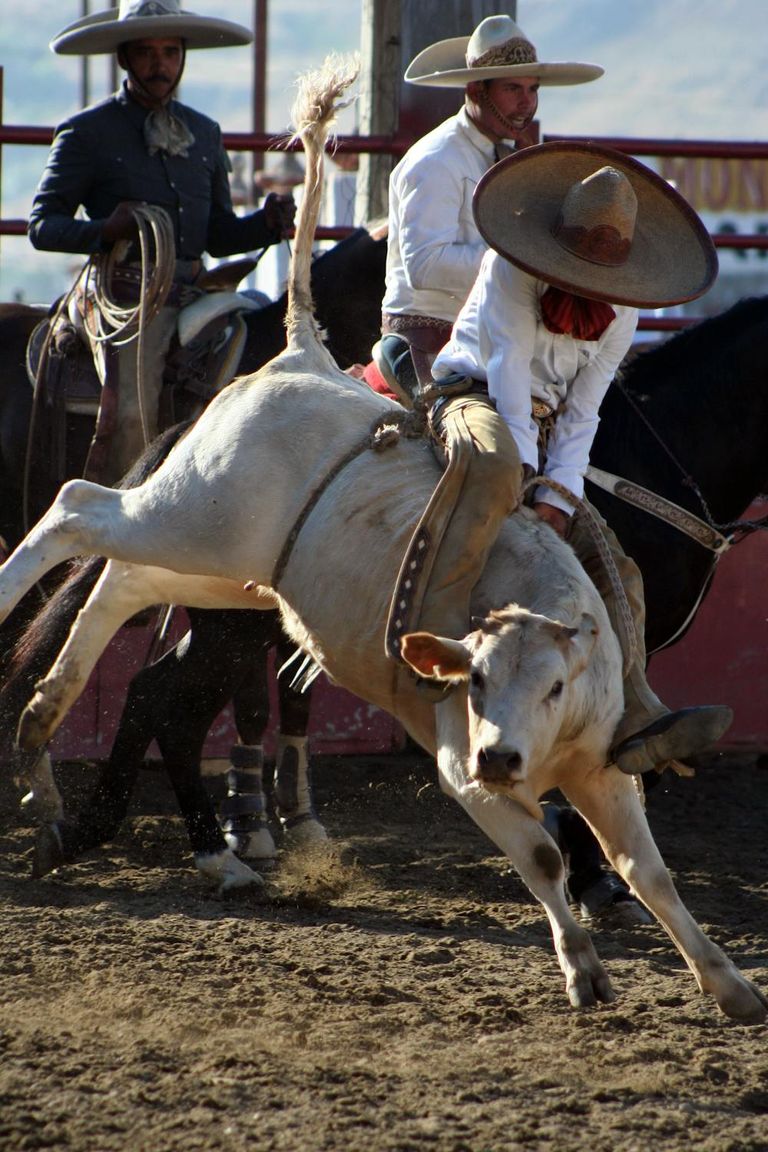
[[203, 358]]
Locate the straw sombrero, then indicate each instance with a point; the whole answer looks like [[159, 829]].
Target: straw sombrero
[[597, 223], [497, 48], [140, 19]]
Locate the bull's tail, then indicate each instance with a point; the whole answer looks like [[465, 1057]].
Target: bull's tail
[[314, 113]]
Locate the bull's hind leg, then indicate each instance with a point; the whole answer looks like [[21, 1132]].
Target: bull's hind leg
[[117, 596], [122, 590], [539, 863], [609, 802], [63, 532]]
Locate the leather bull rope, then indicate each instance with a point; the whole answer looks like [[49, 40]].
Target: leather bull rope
[[384, 432]]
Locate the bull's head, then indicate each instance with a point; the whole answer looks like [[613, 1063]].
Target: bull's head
[[519, 669]]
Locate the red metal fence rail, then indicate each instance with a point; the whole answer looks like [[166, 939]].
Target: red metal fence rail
[[397, 145]]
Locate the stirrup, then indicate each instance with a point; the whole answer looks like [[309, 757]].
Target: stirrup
[[392, 356]]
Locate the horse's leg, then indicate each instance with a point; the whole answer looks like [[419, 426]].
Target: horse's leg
[[43, 800], [173, 701], [243, 639], [539, 863], [243, 811], [293, 783], [609, 802]]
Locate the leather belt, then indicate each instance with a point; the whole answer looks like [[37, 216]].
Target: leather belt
[[126, 287], [541, 411]]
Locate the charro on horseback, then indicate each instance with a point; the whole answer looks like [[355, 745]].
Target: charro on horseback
[[152, 176]]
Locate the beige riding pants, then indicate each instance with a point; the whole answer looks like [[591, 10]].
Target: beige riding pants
[[489, 493]]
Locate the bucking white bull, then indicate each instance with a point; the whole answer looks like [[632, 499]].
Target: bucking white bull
[[299, 484]]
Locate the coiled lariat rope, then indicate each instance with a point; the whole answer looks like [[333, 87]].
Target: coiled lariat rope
[[627, 633], [114, 323]]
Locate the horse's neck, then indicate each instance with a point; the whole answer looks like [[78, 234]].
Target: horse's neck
[[706, 432]]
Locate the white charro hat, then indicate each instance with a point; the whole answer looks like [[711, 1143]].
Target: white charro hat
[[597, 223], [497, 48], [141, 19]]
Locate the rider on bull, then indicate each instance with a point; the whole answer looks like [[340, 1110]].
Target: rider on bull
[[142, 146], [580, 237], [503, 343]]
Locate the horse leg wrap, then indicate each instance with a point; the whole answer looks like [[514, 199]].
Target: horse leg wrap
[[293, 792], [243, 814]]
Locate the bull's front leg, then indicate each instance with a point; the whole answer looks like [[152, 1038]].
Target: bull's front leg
[[539, 863], [609, 802]]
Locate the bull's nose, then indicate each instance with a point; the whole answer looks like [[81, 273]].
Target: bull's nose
[[498, 767]]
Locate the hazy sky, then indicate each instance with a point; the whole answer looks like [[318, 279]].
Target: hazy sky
[[692, 69], [684, 68]]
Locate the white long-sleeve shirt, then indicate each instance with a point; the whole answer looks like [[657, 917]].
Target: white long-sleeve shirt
[[434, 247], [499, 337]]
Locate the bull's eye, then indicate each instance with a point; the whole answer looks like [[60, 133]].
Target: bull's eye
[[556, 690], [476, 680]]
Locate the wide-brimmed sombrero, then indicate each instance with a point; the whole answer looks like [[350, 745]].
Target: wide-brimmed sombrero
[[140, 19], [597, 223], [497, 48]]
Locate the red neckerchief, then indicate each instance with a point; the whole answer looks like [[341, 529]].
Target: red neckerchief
[[565, 313]]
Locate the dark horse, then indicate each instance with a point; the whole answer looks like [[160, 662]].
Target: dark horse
[[689, 421], [672, 425]]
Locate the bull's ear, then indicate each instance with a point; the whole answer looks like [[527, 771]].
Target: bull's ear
[[581, 642], [577, 643], [435, 657]]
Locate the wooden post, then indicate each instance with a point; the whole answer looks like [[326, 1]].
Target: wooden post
[[394, 31], [380, 80]]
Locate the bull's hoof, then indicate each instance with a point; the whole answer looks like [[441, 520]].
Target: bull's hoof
[[674, 736], [34, 726], [744, 1002], [49, 851], [591, 988], [44, 805]]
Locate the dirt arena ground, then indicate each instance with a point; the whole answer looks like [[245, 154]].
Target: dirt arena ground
[[400, 994]]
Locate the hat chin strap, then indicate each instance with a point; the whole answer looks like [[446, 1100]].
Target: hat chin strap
[[513, 129]]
